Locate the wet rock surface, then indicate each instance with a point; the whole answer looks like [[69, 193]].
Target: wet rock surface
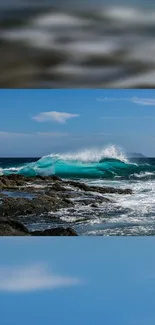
[[47, 200], [10, 227], [102, 190], [14, 180], [59, 231]]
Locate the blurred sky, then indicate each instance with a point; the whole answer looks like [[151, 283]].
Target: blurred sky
[[117, 281], [39, 122]]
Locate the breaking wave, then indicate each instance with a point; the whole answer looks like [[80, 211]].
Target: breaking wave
[[108, 163]]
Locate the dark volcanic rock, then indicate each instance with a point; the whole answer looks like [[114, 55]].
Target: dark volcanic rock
[[53, 195], [81, 186], [102, 190], [9, 227], [11, 181], [58, 185], [15, 180], [44, 202], [60, 231], [12, 207], [106, 190], [93, 202]]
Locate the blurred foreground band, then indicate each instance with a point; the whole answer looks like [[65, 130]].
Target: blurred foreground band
[[49, 46]]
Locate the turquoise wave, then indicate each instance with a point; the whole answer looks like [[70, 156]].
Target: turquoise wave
[[68, 167]]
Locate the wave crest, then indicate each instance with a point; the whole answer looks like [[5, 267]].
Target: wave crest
[[92, 155], [106, 163]]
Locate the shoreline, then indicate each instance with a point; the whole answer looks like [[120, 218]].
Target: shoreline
[[25, 200]]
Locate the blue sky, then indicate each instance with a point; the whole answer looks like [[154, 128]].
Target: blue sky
[[110, 281], [40, 122]]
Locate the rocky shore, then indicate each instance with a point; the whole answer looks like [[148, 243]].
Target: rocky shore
[[25, 200], [10, 227]]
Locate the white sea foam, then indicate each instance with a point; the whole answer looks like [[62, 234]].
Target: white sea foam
[[142, 175], [1, 171], [93, 155], [141, 203], [13, 169]]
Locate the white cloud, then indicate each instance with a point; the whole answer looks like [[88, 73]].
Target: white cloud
[[32, 278], [135, 100], [60, 117]]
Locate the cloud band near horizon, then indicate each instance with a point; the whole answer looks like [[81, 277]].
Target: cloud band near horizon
[[134, 100]]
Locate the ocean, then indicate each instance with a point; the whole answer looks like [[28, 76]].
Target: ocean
[[130, 214]]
